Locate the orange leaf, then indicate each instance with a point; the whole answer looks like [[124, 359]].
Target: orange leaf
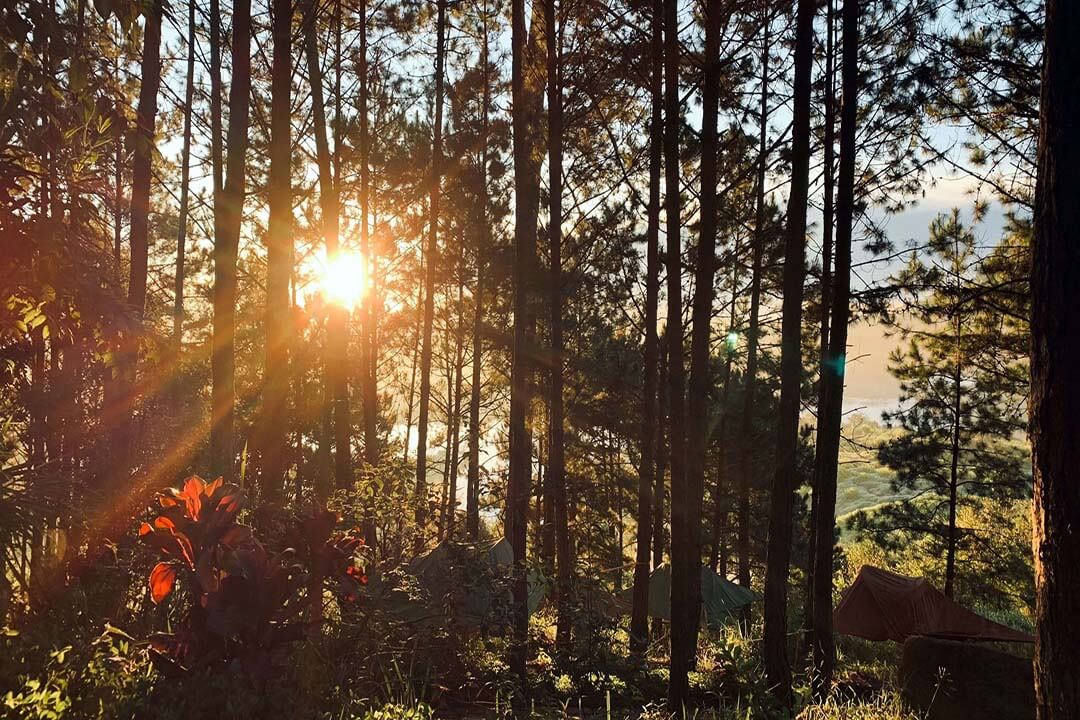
[[212, 487], [162, 578], [193, 488]]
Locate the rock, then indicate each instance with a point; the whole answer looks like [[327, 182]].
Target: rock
[[950, 680]]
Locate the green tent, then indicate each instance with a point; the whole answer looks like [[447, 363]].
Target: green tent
[[720, 598], [467, 583]]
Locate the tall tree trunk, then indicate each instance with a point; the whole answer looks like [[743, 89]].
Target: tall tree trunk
[[557, 461], [774, 642], [227, 216], [639, 618], [429, 277], [472, 492], [954, 466], [721, 498], [185, 179], [370, 381], [217, 165], [141, 179], [1055, 384], [527, 97], [679, 665], [659, 491], [472, 495], [688, 496], [826, 285], [832, 370], [339, 316], [329, 207], [279, 258], [415, 362], [472, 503], [752, 329], [453, 416]]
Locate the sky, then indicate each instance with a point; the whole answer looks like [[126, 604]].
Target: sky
[[870, 389]]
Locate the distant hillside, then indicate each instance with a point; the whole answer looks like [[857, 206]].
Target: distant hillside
[[861, 481]]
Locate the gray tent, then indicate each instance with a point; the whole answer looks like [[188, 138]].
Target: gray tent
[[467, 583], [720, 598]]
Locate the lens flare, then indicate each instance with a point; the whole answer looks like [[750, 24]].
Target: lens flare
[[343, 278]]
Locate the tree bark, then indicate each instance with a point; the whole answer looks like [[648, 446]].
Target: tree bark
[[1055, 384], [660, 486], [774, 642], [429, 277], [141, 179], [826, 285], [556, 477], [472, 495], [279, 258], [752, 330], [329, 207], [453, 427], [338, 339], [227, 216], [185, 179], [370, 379], [688, 495], [639, 618], [527, 96], [679, 664], [830, 412]]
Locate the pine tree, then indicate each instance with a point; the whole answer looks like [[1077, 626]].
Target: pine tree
[[957, 415]]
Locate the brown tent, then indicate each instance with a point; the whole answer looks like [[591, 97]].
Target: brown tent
[[881, 605]]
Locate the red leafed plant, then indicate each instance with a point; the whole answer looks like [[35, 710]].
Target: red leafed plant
[[244, 604]]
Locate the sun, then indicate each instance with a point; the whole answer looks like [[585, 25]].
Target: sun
[[343, 279]]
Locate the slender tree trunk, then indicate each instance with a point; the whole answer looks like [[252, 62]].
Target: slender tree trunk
[[639, 618], [279, 258], [415, 361], [1055, 384], [472, 503], [118, 202], [453, 427], [688, 496], [339, 316], [217, 165], [370, 380], [227, 216], [472, 492], [557, 461], [954, 469], [721, 499], [826, 285], [141, 179], [329, 207], [444, 495], [752, 330], [526, 92], [472, 495], [185, 179], [429, 277], [832, 371], [680, 520], [774, 642]]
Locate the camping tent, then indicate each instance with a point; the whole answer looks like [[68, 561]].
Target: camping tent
[[881, 605], [471, 580], [720, 598]]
